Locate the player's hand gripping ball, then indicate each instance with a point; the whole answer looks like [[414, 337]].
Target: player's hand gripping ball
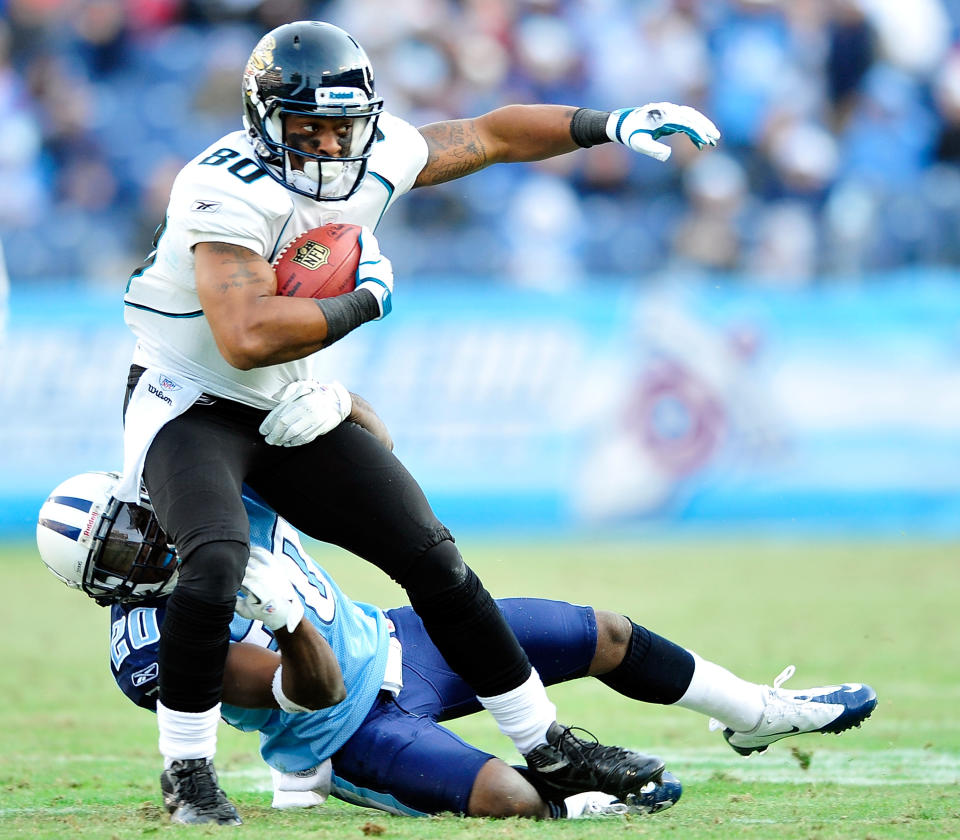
[[320, 263]]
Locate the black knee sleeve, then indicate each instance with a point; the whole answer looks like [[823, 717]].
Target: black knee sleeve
[[196, 628], [214, 571], [464, 622], [655, 670], [193, 652]]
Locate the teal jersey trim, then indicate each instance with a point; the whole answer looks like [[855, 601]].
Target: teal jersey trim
[[276, 245], [390, 190], [142, 308], [151, 257]]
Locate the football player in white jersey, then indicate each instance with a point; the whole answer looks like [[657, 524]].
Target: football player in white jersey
[[224, 386], [332, 684]]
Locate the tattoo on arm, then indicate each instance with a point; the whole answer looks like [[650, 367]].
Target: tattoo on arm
[[243, 265], [455, 149]]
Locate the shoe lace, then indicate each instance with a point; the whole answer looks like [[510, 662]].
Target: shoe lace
[[783, 676], [775, 701], [198, 786], [585, 752], [779, 706], [578, 748]]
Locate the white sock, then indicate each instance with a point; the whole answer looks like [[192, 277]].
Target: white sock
[[524, 713], [186, 735], [716, 692]]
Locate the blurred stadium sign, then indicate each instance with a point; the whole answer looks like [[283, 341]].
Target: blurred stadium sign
[[832, 409]]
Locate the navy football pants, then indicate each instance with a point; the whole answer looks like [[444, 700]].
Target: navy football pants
[[401, 759]]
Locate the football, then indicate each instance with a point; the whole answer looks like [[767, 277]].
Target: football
[[319, 263]]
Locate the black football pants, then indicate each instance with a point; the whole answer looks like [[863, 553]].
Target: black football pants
[[343, 488]]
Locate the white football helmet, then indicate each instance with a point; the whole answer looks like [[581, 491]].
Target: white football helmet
[[114, 551]]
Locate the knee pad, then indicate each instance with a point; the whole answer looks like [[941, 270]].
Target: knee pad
[[214, 571], [464, 622], [438, 570]]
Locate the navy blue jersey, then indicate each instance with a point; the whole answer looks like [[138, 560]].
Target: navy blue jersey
[[358, 634]]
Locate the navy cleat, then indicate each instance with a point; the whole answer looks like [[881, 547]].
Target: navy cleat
[[191, 794], [569, 764], [832, 708]]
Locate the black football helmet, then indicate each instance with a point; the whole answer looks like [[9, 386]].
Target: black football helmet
[[309, 67], [114, 551]]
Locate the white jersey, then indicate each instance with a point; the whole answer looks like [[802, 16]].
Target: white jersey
[[223, 195]]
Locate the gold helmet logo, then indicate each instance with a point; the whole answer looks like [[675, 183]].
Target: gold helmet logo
[[262, 56], [311, 255]]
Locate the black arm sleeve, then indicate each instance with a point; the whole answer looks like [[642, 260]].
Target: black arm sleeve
[[346, 312], [589, 128]]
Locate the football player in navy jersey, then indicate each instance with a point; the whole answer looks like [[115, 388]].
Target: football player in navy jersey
[[327, 680], [227, 386]]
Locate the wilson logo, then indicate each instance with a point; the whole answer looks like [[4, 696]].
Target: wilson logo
[[159, 394]]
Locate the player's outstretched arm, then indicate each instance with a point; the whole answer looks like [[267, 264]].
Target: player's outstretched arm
[[518, 133], [510, 134]]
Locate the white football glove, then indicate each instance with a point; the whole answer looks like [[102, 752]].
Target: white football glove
[[307, 409], [375, 272], [266, 593], [641, 128]]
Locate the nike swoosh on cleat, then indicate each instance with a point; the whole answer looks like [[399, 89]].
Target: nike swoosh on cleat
[[793, 730]]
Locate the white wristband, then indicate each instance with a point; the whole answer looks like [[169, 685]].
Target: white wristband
[[283, 701]]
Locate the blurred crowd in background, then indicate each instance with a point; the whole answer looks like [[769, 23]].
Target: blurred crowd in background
[[840, 121]]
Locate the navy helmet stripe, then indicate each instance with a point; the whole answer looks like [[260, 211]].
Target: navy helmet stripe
[[67, 530], [74, 502]]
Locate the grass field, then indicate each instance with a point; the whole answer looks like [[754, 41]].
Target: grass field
[[78, 760]]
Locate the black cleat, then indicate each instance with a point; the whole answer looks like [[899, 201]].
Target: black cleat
[[568, 764], [191, 794]]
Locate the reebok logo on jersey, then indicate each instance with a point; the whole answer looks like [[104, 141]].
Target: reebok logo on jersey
[[145, 675], [159, 394], [203, 206]]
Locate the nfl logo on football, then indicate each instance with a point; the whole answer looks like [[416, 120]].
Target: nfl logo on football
[[311, 255]]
